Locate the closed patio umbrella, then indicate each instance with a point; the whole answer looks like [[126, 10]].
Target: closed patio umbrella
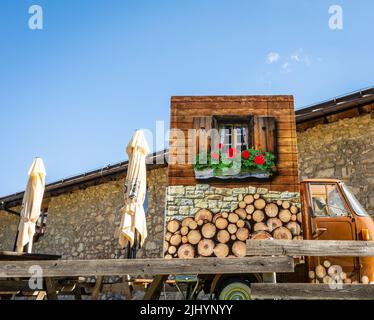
[[133, 222], [31, 205]]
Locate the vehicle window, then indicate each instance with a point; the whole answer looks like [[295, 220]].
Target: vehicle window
[[355, 204], [327, 201]]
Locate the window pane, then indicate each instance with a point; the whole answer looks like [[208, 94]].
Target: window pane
[[327, 201]]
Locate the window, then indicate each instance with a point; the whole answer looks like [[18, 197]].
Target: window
[[355, 204], [327, 200], [235, 133]]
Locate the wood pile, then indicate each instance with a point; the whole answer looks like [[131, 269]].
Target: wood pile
[[328, 273], [224, 234]]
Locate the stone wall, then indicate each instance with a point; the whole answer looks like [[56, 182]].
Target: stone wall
[[8, 230], [185, 201], [83, 224], [342, 150]]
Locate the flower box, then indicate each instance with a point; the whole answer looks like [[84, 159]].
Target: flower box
[[209, 174]]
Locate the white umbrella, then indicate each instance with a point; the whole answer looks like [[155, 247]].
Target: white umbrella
[[133, 216], [31, 205]]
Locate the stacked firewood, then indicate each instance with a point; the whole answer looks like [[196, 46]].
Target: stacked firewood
[[328, 273], [224, 234]]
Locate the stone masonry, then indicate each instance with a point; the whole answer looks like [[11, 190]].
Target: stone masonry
[[185, 201], [342, 150], [83, 224]]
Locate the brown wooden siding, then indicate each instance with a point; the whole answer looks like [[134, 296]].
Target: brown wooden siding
[[185, 109]]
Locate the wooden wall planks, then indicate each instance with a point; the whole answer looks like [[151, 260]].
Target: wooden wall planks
[[184, 109]]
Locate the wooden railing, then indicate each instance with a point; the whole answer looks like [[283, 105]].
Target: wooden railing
[[310, 248]]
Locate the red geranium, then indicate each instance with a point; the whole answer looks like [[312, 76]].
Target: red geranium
[[232, 152], [220, 146], [259, 159], [245, 154], [215, 156]]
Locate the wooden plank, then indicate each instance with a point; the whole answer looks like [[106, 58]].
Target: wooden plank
[[154, 290], [143, 267], [311, 291], [51, 289], [341, 248]]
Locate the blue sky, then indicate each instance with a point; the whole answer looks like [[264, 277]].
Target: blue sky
[[74, 92]]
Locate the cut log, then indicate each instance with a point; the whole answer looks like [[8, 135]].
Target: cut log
[[249, 217], [242, 204], [172, 250], [233, 237], [327, 263], [260, 226], [282, 233], [297, 238], [320, 271], [365, 279], [299, 217], [225, 215], [284, 215], [184, 230], [186, 221], [221, 250], [326, 279], [205, 247], [168, 256], [240, 223], [273, 223], [250, 208], [260, 204], [216, 216], [294, 227], [311, 274], [184, 239], [200, 222], [286, 204], [221, 223], [194, 236], [173, 226], [258, 216], [261, 235], [332, 270], [192, 225], [233, 218], [279, 203], [293, 217], [248, 199], [232, 228], [239, 248], [256, 196], [294, 209], [168, 235], [271, 210], [241, 213], [204, 214], [223, 236], [176, 240], [242, 234], [343, 275], [166, 246], [186, 251], [208, 230]]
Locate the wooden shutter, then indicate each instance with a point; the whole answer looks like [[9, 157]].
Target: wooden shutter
[[264, 133], [203, 138]]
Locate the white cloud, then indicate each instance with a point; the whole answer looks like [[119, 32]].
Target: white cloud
[[272, 57], [295, 57]]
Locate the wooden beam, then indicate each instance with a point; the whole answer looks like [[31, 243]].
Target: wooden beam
[[311, 291], [310, 248], [144, 267], [97, 288], [154, 290], [51, 289]]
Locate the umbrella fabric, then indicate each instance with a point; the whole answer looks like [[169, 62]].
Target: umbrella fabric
[[31, 205], [133, 216]]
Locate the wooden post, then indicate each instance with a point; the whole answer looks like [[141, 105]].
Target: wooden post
[[51, 289], [97, 289], [154, 290]]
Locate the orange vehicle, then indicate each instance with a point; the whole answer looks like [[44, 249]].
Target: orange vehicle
[[332, 212]]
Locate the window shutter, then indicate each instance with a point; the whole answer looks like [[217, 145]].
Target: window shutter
[[202, 126], [264, 133]]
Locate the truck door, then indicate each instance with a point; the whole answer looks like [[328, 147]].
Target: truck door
[[332, 220]]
